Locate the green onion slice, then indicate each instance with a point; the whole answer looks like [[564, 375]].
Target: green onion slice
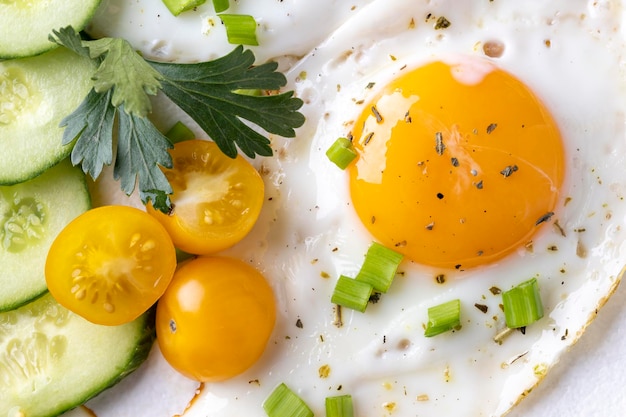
[[380, 266], [221, 5], [522, 304], [443, 317], [179, 132], [176, 7], [351, 293], [339, 406], [240, 28], [283, 402], [341, 152]]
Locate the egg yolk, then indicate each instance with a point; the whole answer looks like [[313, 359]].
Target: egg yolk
[[458, 165]]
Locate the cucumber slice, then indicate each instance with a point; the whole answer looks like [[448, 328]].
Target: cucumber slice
[[35, 95], [31, 215], [52, 360], [25, 25]]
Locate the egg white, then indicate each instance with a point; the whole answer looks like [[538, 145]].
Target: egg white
[[308, 233]]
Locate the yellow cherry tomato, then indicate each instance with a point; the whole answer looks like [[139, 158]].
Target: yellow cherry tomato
[[216, 199], [110, 264], [215, 319]]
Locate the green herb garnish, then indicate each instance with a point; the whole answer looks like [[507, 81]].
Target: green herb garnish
[[240, 28], [341, 152], [179, 132], [351, 293], [208, 92], [443, 317], [339, 406], [379, 267], [522, 304], [221, 5], [283, 402]]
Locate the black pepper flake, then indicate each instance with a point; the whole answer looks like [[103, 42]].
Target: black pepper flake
[[439, 196], [400, 244], [508, 170], [442, 23], [373, 219], [430, 226], [370, 85], [544, 218], [172, 326], [479, 185], [440, 279], [377, 115], [407, 117], [522, 330], [491, 128], [374, 298], [455, 162], [439, 146], [482, 307], [368, 138], [458, 266], [495, 290]]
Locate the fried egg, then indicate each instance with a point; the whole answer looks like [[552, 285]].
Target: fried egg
[[517, 174]]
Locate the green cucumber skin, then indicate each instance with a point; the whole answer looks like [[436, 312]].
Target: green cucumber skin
[[50, 401], [43, 89], [24, 29], [63, 193]]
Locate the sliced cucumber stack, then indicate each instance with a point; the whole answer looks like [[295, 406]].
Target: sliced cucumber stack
[[31, 215], [35, 95], [25, 25], [52, 360]]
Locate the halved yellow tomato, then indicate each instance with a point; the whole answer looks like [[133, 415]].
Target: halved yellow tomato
[[216, 200], [110, 264], [215, 318]]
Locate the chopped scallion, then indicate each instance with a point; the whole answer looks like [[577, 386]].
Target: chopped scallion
[[379, 267], [339, 406], [351, 293], [249, 92], [179, 132], [443, 317], [283, 402], [221, 5], [176, 7], [522, 304], [341, 152], [240, 28]]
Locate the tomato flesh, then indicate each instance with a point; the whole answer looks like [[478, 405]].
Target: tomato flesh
[[215, 318], [216, 200], [110, 264]]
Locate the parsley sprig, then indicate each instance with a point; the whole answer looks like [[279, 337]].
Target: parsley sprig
[[209, 92]]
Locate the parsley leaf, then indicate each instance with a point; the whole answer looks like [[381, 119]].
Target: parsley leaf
[[91, 125], [209, 92], [71, 39], [127, 71], [137, 157]]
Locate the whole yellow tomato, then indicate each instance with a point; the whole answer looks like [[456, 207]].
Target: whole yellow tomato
[[215, 201], [215, 318]]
